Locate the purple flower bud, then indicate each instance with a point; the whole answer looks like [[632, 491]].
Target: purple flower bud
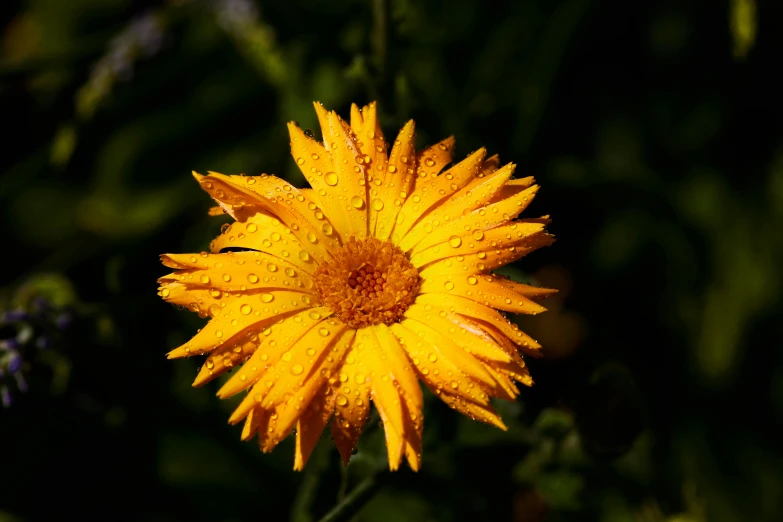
[[9, 344], [15, 316], [14, 362], [63, 320]]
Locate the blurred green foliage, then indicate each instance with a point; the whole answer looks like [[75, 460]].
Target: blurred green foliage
[[655, 133]]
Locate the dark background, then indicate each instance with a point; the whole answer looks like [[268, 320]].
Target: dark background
[[654, 129]]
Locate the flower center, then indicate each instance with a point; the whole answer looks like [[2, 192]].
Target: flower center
[[367, 282]]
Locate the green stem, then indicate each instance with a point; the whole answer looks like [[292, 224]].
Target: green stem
[[354, 501], [380, 33], [308, 489]]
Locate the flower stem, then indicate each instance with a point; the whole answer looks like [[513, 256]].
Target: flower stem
[[355, 500]]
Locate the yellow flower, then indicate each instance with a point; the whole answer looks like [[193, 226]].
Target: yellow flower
[[327, 298]]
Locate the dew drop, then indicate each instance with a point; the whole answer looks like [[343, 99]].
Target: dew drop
[[330, 178], [271, 267], [377, 204], [252, 227], [472, 280], [245, 309], [323, 331], [449, 285], [341, 400], [297, 369], [357, 202], [304, 256], [455, 241], [267, 298], [252, 278]]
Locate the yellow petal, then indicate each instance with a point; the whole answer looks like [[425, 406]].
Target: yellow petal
[[432, 191], [369, 140], [384, 394], [266, 234], [274, 341], [474, 195], [346, 180], [248, 273], [251, 423], [490, 165], [292, 391], [484, 289], [458, 331], [483, 413], [467, 255], [311, 424], [232, 200], [280, 199], [444, 352], [484, 218], [430, 161], [394, 358], [204, 301], [227, 357], [357, 119], [449, 383], [352, 403], [230, 323], [513, 187], [307, 364], [397, 179], [483, 314]]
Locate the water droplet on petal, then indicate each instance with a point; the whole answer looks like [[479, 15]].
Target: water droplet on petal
[[267, 298], [377, 204], [245, 309], [297, 369], [330, 178], [455, 241]]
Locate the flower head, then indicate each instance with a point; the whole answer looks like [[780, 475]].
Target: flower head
[[379, 276]]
